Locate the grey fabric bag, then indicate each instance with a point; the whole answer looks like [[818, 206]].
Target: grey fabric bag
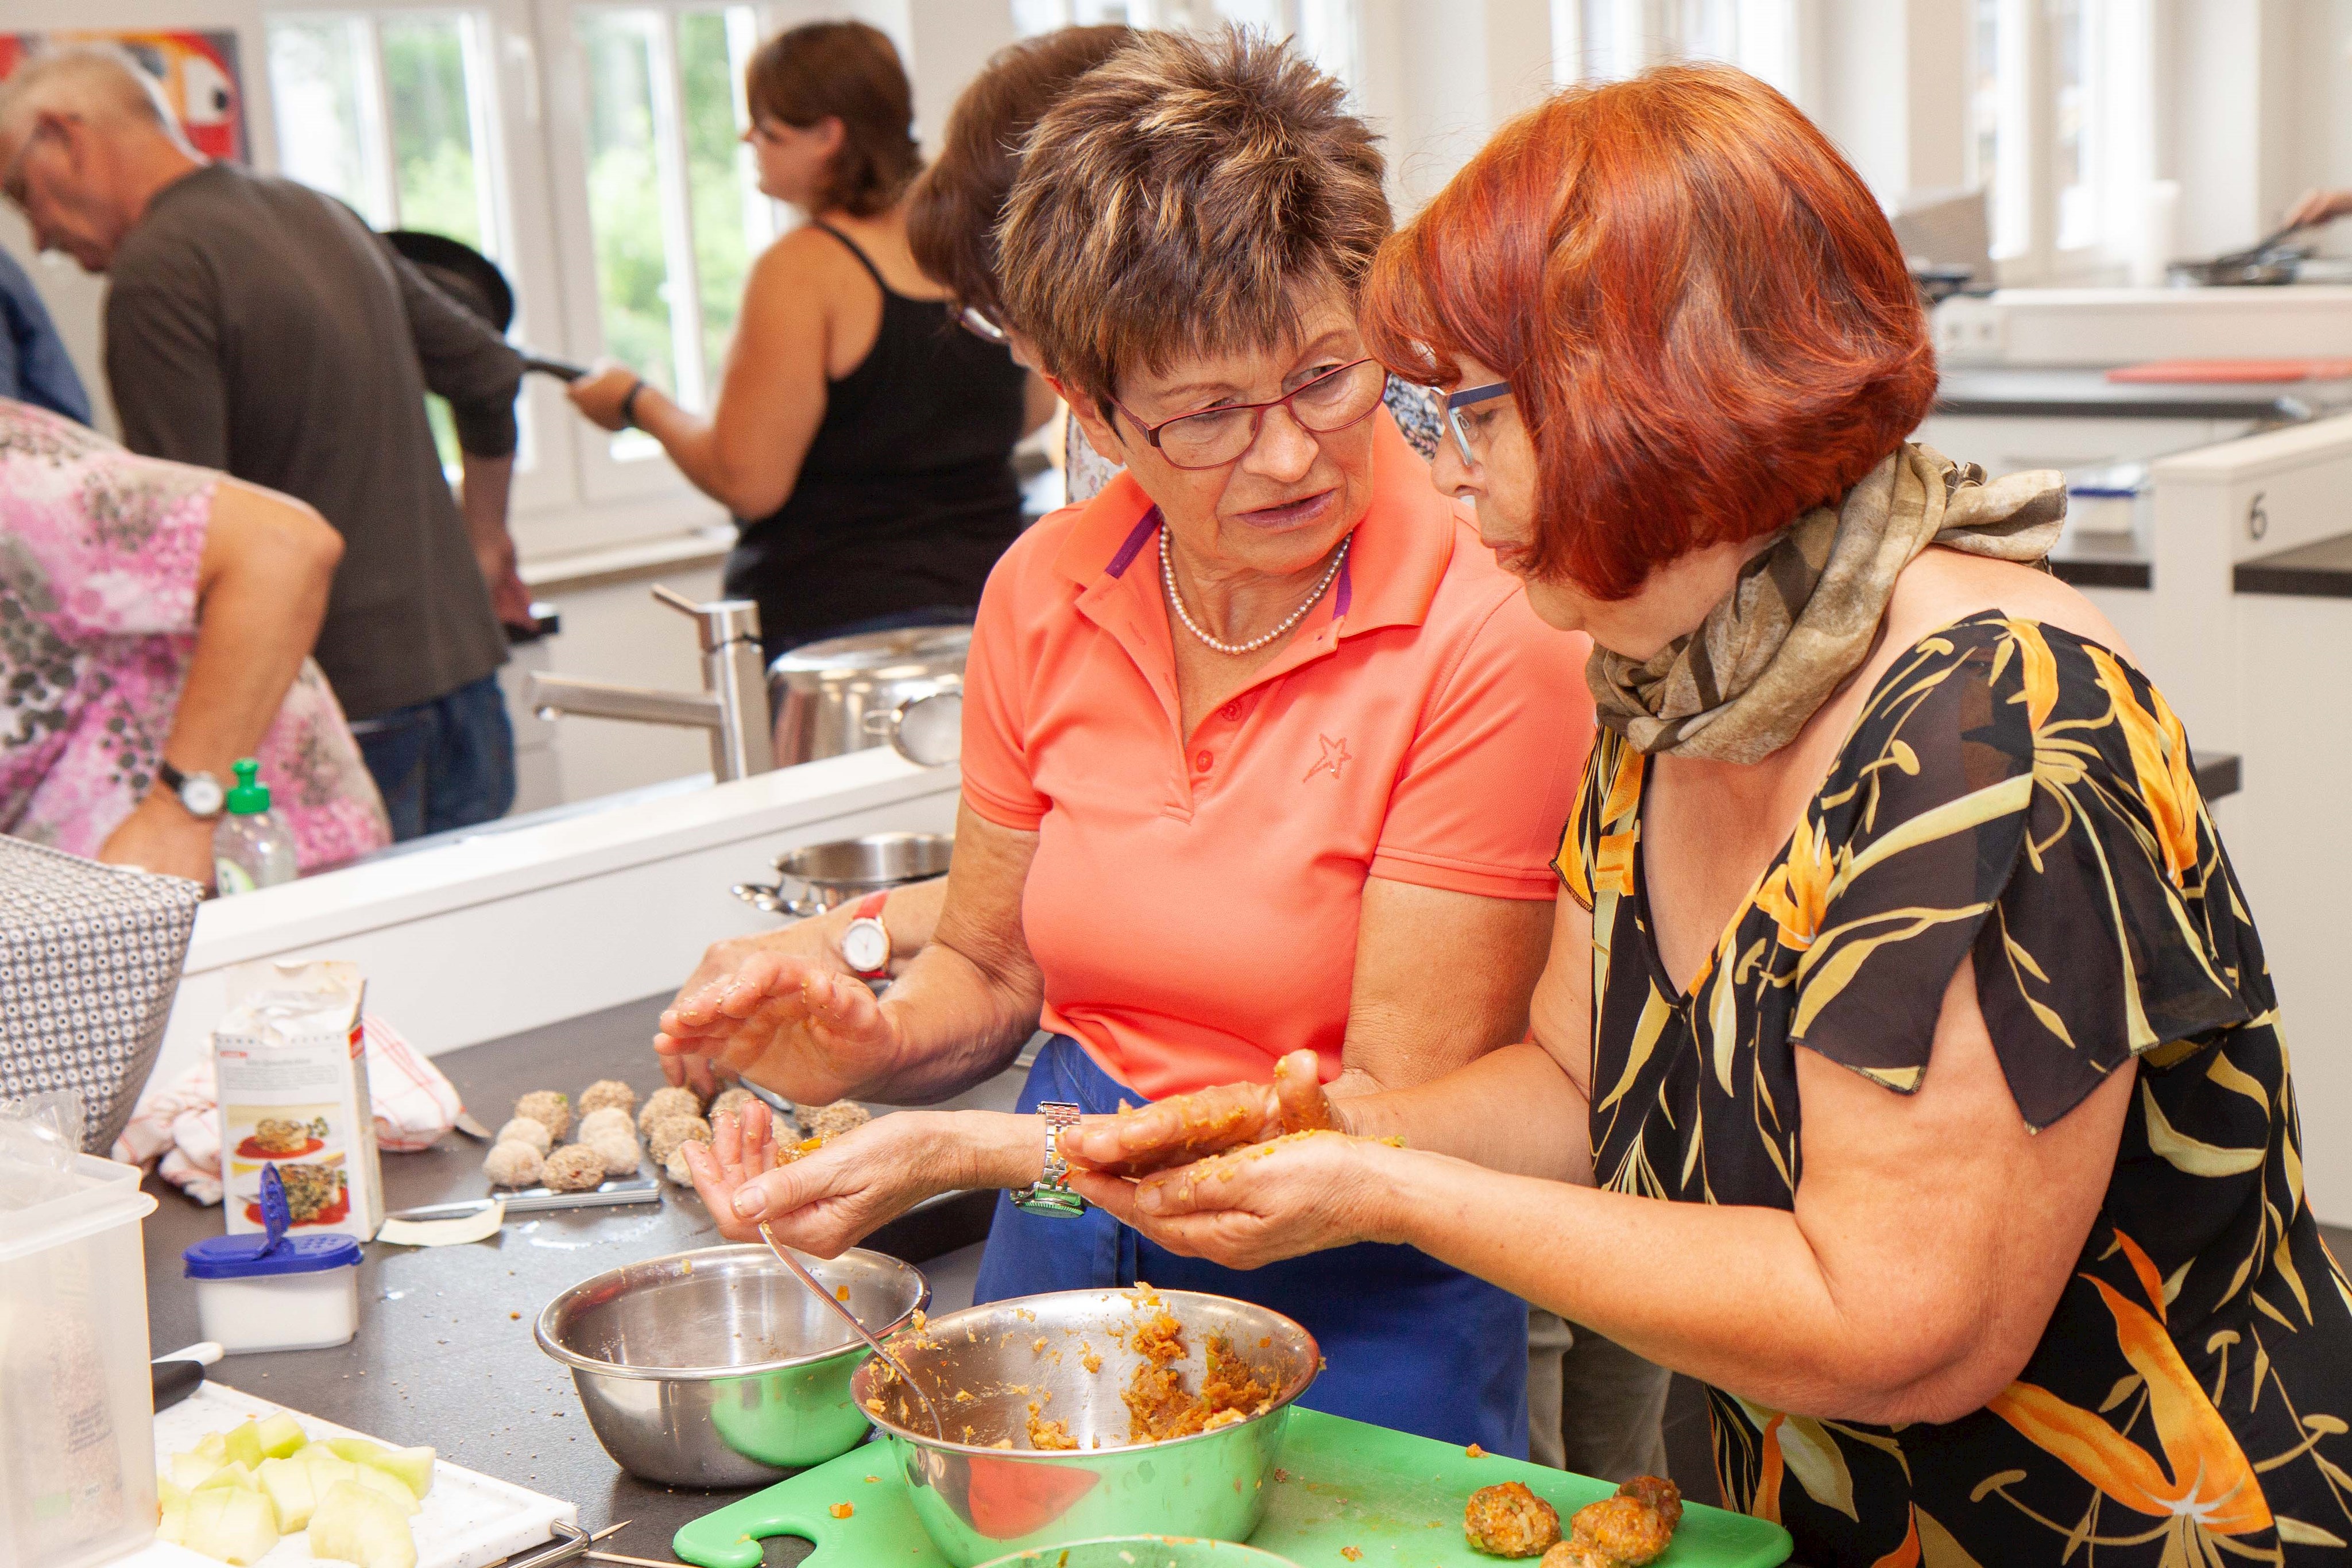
[[89, 960]]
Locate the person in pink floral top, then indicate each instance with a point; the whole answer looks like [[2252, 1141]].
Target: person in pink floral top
[[153, 613]]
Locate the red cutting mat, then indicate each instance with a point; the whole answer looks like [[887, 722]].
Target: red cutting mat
[[2215, 371]]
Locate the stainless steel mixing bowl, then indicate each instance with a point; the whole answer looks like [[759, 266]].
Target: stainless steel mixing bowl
[[1144, 1551], [718, 1368], [986, 1367]]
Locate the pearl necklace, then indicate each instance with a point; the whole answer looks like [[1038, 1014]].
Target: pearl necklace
[[1176, 600]]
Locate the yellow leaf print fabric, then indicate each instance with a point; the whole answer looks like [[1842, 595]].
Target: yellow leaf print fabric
[[2013, 793]]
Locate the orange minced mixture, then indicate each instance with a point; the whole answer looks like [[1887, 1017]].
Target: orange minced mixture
[[1159, 1405]]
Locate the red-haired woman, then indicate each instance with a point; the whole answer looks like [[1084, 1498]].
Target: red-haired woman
[[1906, 1068]]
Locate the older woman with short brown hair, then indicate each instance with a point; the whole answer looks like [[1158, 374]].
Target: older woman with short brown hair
[[1906, 1068], [1263, 754]]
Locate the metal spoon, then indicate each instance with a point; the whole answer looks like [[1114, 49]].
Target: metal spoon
[[842, 1309]]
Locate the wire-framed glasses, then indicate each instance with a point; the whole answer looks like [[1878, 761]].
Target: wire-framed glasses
[[1216, 436], [1470, 397]]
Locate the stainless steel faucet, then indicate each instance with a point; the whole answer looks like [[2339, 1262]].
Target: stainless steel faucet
[[732, 705]]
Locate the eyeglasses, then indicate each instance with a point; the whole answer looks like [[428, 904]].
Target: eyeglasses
[[1468, 397], [976, 322], [1216, 436]]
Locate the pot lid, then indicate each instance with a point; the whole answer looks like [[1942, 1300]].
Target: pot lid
[[916, 650]]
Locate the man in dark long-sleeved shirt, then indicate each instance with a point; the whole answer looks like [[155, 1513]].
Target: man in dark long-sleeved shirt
[[258, 326]]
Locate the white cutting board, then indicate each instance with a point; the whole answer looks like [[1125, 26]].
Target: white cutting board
[[468, 1519]]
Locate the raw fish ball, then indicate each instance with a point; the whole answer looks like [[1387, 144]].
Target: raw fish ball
[[618, 1150], [607, 1091], [523, 1130], [574, 1167], [675, 1167], [831, 1121], [512, 1163], [668, 1133], [668, 1101], [549, 1108], [611, 1119], [732, 1101]]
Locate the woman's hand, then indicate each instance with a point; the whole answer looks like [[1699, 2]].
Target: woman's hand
[[812, 941], [2319, 207], [835, 1198], [796, 1021], [160, 836], [1187, 1127], [1258, 1205], [600, 393]]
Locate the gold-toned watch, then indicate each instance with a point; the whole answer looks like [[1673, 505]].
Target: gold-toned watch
[[1049, 1195]]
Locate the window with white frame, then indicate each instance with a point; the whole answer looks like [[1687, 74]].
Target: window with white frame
[[1324, 30], [674, 205], [1604, 40], [2060, 136]]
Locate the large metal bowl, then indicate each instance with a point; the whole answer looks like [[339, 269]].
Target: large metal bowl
[[1143, 1551], [718, 1368], [984, 1367]]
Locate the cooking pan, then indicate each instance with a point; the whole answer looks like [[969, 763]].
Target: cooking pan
[[2267, 262], [473, 280]]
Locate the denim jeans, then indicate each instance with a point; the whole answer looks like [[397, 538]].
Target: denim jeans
[[443, 764]]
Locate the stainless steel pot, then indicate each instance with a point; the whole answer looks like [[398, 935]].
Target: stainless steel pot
[[834, 873], [849, 692], [717, 1368]]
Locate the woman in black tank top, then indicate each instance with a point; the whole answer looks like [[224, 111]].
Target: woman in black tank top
[[870, 490]]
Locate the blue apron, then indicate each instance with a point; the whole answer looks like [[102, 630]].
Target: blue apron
[[1409, 1341]]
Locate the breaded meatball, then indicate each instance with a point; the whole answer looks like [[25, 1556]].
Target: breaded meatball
[[1576, 1554], [831, 1121], [1634, 1527], [549, 1108], [512, 1163], [668, 1133], [574, 1167], [1509, 1520], [523, 1130], [618, 1150], [730, 1101], [608, 1091], [667, 1102], [676, 1169], [610, 1119]]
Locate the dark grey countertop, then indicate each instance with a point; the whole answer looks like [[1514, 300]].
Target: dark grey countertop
[[2321, 571], [2070, 393], [445, 1354], [2103, 560]]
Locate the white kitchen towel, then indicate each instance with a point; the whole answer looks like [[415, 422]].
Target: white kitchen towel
[[413, 1102]]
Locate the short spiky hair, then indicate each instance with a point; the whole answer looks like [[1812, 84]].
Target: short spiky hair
[[1176, 201]]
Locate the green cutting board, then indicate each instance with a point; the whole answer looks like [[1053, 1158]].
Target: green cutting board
[[1396, 1497]]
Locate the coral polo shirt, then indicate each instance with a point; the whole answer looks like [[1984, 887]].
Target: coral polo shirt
[[1194, 899]]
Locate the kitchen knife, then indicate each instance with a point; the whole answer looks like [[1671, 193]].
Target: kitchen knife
[[180, 1373]]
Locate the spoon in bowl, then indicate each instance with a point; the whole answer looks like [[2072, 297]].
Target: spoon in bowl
[[842, 1309]]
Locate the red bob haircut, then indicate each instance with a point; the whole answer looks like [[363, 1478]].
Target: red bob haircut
[[1704, 318]]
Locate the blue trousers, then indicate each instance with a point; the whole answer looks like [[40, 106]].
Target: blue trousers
[[447, 763], [1410, 1342]]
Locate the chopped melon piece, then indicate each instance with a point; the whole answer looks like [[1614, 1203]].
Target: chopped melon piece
[[294, 1487], [281, 1435], [175, 1525], [359, 1450], [362, 1526], [228, 1475], [213, 1445], [244, 1444], [326, 1468], [167, 1493], [389, 1487], [188, 1471], [412, 1468], [232, 1524]]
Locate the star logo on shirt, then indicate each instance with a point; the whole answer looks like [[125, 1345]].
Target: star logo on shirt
[[1335, 756]]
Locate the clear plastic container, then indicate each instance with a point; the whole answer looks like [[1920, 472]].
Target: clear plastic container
[[77, 1420], [251, 846], [302, 1294]]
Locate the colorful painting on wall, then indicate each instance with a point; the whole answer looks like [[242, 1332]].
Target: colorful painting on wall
[[198, 70]]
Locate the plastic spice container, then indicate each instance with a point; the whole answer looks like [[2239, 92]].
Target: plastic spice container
[[302, 1295]]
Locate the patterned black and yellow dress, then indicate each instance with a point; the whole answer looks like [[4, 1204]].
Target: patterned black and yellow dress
[[2017, 793]]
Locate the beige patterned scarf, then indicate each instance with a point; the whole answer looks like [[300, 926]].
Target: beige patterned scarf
[[1805, 610]]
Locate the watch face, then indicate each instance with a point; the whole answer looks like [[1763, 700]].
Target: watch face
[[201, 794], [865, 946]]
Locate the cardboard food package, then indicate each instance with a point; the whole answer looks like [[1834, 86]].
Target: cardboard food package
[[292, 1071]]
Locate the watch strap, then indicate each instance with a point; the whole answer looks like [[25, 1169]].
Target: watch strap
[[1050, 1195]]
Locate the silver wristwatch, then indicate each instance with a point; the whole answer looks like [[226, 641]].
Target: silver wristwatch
[[1048, 1194], [200, 793]]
